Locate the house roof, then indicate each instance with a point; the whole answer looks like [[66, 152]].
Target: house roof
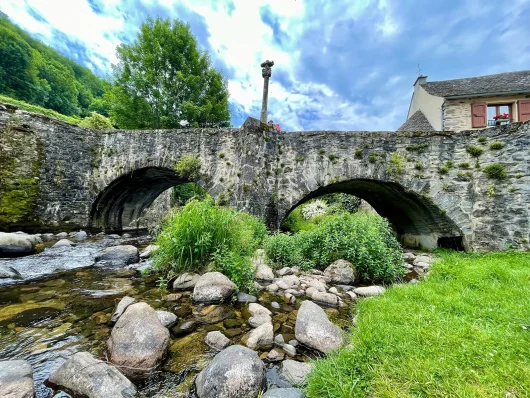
[[417, 122], [475, 86]]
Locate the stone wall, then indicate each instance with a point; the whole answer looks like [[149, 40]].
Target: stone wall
[[106, 180]]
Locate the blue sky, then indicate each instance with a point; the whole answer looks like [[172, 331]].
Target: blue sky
[[340, 65]]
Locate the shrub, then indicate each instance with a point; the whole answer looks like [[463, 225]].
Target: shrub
[[397, 164], [496, 171], [468, 175], [358, 153], [332, 157], [482, 139], [236, 267], [97, 122], [372, 158], [418, 166], [496, 145], [443, 170], [474, 151], [192, 234], [364, 239], [464, 165], [188, 167], [183, 193]]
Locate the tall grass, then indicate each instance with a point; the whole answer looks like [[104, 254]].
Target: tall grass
[[463, 332], [39, 109]]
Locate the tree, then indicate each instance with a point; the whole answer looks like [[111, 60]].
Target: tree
[[162, 79]]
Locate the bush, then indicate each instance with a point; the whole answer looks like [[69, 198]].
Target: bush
[[97, 122], [496, 145], [496, 171], [188, 167], [236, 267], [474, 151], [183, 193], [365, 240], [192, 235], [397, 163]]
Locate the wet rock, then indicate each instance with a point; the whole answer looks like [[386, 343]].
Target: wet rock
[[16, 379], [119, 255], [257, 309], [217, 340], [212, 313], [341, 272], [296, 372], [233, 332], [213, 287], [47, 237], [369, 291], [262, 336], [13, 244], [278, 340], [185, 328], [148, 251], [275, 305], [275, 355], [172, 297], [113, 236], [264, 273], [284, 393], [234, 372], [138, 342], [246, 298], [289, 350], [80, 236], [345, 288], [9, 272], [186, 281], [86, 376], [121, 307], [314, 330], [64, 243], [258, 320], [61, 235], [167, 319], [294, 343]]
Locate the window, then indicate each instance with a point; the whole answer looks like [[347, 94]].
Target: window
[[496, 110]]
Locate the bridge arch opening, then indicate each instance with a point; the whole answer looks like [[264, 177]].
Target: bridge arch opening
[[418, 222], [122, 204]]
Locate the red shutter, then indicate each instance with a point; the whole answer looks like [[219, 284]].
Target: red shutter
[[523, 108], [478, 115]]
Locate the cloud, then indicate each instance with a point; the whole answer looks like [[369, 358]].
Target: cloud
[[338, 65]]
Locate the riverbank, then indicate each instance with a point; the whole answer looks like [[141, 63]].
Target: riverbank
[[462, 332]]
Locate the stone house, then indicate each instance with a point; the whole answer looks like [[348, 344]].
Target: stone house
[[470, 103]]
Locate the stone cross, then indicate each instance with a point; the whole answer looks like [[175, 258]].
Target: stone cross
[[266, 72]]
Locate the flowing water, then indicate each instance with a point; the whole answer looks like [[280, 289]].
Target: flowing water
[[47, 320]]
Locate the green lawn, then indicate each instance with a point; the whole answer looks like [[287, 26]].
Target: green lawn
[[39, 109], [459, 333]]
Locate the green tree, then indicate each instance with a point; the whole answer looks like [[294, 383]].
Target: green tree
[[162, 79]]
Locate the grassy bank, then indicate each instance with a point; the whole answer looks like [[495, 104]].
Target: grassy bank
[[459, 333], [39, 110]]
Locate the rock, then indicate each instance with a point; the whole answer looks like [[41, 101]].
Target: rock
[[341, 272], [212, 313], [272, 288], [258, 320], [275, 355], [186, 281], [47, 237], [213, 287], [314, 329], [296, 372], [113, 236], [64, 243], [262, 336], [13, 244], [352, 295], [148, 251], [168, 319], [313, 282], [310, 291], [422, 259], [119, 255], [422, 265], [120, 309], [289, 350], [138, 342], [172, 297], [409, 257], [235, 372], [278, 340], [345, 288], [86, 376], [185, 328], [217, 340], [61, 235], [369, 291], [9, 272], [285, 271], [328, 299], [80, 236], [246, 298], [275, 305], [335, 291], [264, 273], [16, 379], [258, 287], [293, 342], [284, 393], [126, 236], [258, 309]]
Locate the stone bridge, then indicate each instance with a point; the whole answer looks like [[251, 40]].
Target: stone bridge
[[58, 176]]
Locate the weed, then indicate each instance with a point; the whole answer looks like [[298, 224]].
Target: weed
[[358, 153], [465, 175], [396, 164], [474, 151], [519, 175], [417, 147], [188, 167], [418, 166], [332, 157], [299, 159], [372, 158], [491, 190], [482, 140], [496, 171], [464, 165], [222, 155], [496, 145], [321, 151]]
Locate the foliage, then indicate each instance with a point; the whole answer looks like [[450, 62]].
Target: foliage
[[396, 164], [313, 209], [97, 122], [188, 167], [372, 158], [183, 193], [496, 171], [464, 165], [459, 333], [417, 147], [467, 175], [236, 267], [163, 79], [482, 139], [39, 110], [37, 74], [358, 153], [497, 145], [364, 239], [474, 151], [191, 236]]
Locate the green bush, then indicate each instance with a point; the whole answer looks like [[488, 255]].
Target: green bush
[[474, 151], [188, 167], [397, 163], [191, 236], [97, 122], [183, 193], [496, 145], [236, 267], [364, 239], [496, 171]]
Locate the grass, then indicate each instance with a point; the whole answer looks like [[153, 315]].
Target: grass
[[39, 110], [459, 333]]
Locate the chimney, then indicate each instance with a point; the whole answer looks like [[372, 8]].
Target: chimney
[[420, 80]]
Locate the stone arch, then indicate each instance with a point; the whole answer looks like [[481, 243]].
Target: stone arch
[[125, 198], [419, 223]]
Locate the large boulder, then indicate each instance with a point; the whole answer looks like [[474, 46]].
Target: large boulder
[[186, 281], [121, 307], [341, 272], [296, 372], [12, 244], [84, 375], [314, 329], [213, 287], [16, 379], [119, 255], [284, 393], [148, 251], [235, 372], [138, 342]]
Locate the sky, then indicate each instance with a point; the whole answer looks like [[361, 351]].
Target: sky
[[339, 64]]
